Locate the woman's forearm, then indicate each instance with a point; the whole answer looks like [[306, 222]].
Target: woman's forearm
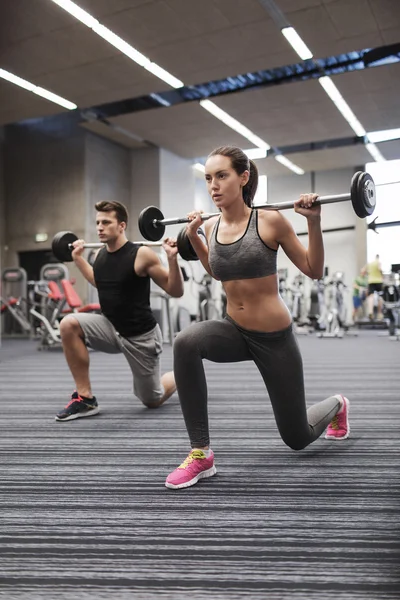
[[315, 252]]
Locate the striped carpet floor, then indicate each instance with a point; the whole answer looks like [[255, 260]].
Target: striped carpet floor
[[84, 513]]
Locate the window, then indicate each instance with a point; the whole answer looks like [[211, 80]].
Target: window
[[386, 240]]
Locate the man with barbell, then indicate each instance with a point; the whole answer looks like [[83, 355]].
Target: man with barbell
[[242, 253], [121, 272]]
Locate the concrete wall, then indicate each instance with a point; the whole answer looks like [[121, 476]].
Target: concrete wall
[[43, 185], [107, 176], [145, 186]]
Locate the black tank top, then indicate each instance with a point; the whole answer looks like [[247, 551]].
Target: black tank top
[[124, 296]]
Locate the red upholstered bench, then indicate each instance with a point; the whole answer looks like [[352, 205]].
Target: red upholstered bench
[[74, 301]]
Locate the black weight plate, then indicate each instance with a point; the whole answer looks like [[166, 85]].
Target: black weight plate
[[353, 189], [60, 245], [149, 230], [364, 204], [185, 248]]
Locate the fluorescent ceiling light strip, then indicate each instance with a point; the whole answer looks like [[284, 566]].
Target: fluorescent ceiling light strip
[[17, 80], [199, 167], [121, 45], [164, 75], [255, 153], [336, 97], [297, 43], [113, 39], [383, 136], [77, 12], [375, 153], [54, 98], [288, 163], [233, 124], [26, 85]]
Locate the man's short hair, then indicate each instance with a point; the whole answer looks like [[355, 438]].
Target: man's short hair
[[119, 209]]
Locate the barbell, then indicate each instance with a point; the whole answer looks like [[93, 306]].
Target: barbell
[[62, 245], [362, 195]]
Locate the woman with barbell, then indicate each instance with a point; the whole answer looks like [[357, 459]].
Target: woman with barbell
[[242, 253]]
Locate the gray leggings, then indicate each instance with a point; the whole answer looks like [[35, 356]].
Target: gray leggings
[[279, 361]]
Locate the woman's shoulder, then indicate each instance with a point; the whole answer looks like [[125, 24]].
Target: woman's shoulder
[[209, 224], [271, 217]]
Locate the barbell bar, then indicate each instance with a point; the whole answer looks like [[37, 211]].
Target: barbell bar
[[362, 195], [62, 245]]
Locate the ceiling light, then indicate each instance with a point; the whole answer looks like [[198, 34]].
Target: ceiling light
[[54, 98], [297, 43], [254, 153], [77, 12], [383, 136], [233, 124], [375, 153], [164, 75], [120, 44], [288, 163], [340, 103], [17, 80], [26, 85], [199, 167]]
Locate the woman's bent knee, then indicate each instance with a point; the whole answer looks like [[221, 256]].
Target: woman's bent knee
[[296, 443], [184, 342]]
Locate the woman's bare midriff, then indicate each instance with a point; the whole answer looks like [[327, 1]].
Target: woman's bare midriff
[[255, 304]]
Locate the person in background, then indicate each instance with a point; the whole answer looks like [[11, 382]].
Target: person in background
[[360, 285], [375, 285]]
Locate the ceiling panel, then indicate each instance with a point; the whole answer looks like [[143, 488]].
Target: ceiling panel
[[102, 8], [21, 19], [187, 130], [332, 36], [288, 6], [359, 17], [386, 13], [288, 114], [331, 158], [55, 51], [391, 151]]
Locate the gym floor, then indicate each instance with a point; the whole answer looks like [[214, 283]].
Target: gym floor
[[85, 514]]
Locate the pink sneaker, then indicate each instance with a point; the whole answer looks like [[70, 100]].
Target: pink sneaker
[[339, 427], [196, 466]]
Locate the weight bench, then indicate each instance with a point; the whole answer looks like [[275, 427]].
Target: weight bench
[[74, 301]]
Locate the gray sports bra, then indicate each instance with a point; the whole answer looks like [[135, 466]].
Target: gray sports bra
[[247, 258]]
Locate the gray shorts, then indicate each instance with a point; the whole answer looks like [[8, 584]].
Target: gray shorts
[[142, 353]]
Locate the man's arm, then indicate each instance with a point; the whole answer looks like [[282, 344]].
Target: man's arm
[[171, 279], [85, 268]]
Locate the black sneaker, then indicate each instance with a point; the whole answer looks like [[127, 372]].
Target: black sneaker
[[77, 407]]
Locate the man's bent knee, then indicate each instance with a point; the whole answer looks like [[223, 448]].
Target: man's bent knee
[[70, 326], [152, 402]]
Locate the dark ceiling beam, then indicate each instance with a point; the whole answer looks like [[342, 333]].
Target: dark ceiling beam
[[303, 71]]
